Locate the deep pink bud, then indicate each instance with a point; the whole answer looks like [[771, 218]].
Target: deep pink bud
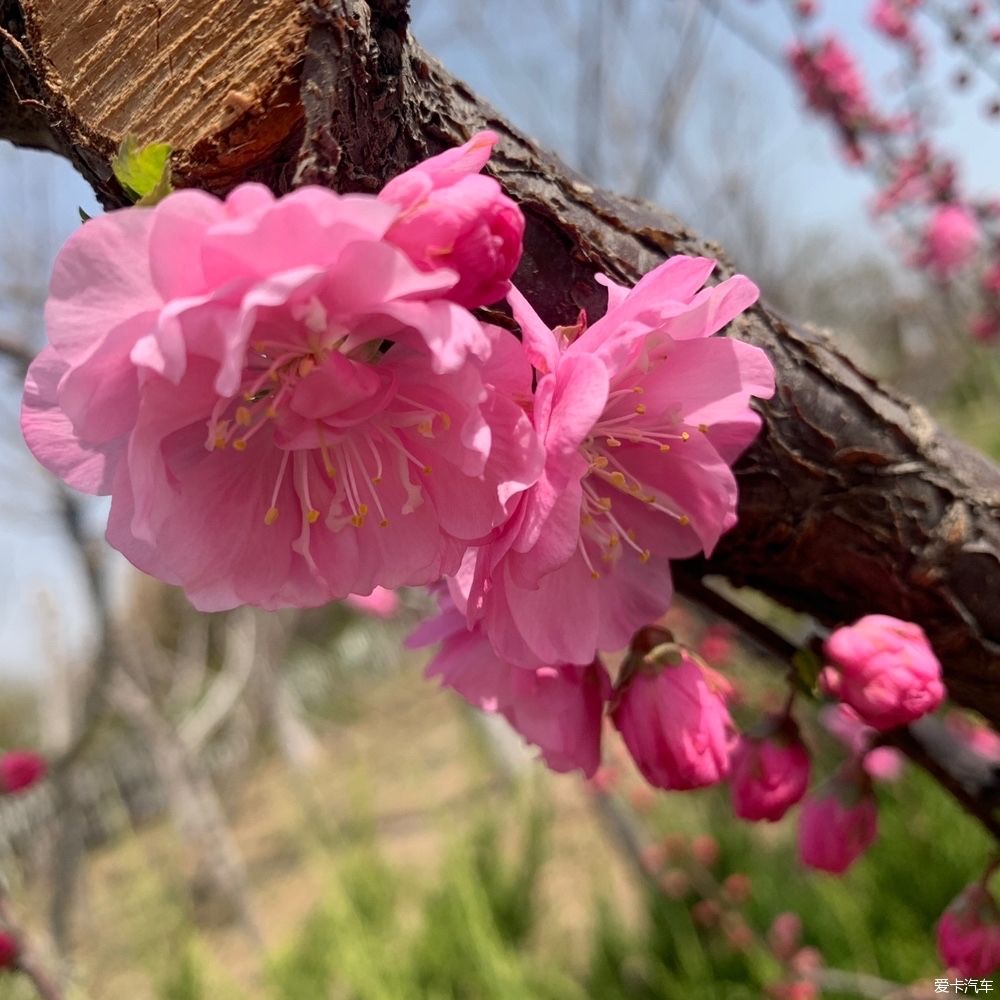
[[838, 823], [770, 772], [674, 720], [785, 935], [20, 769], [888, 672], [968, 933], [10, 950], [456, 218], [380, 603]]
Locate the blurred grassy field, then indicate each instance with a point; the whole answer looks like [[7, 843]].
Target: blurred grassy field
[[402, 866]]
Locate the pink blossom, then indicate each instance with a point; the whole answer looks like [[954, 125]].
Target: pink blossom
[[785, 935], [716, 645], [770, 772], [950, 240], [454, 217], [888, 672], [641, 415], [674, 721], [894, 19], [833, 86], [559, 709], [980, 739], [880, 763], [985, 328], [283, 407], [10, 950], [968, 933], [381, 603], [20, 769], [838, 823]]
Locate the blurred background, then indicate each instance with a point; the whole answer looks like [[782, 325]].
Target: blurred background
[[279, 806]]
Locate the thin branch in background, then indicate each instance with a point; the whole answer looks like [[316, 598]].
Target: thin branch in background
[[29, 964], [590, 98]]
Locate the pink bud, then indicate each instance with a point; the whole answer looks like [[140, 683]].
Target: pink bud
[[675, 723], [838, 823], [888, 672], [716, 646], [705, 850], [20, 769], [738, 888], [454, 217], [675, 883], [10, 950], [978, 738], [950, 239], [706, 913], [769, 773], [785, 935], [968, 933]]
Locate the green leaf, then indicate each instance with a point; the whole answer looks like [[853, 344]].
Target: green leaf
[[84, 217], [143, 171], [807, 666]]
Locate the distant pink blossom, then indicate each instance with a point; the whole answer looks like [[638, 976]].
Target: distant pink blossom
[[838, 823], [880, 763], [559, 709], [20, 769], [979, 738], [985, 328], [950, 239], [284, 408], [641, 415], [894, 19], [833, 86], [716, 645], [770, 772], [886, 670], [968, 933], [10, 950], [784, 935], [454, 217], [381, 603], [673, 719]]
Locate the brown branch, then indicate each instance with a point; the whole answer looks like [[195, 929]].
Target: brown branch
[[853, 499]]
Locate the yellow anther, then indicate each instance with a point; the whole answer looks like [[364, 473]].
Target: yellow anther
[[384, 523], [243, 416], [426, 470], [312, 516], [274, 377], [601, 462], [306, 365], [358, 521], [685, 436], [613, 540], [703, 428], [258, 346], [612, 442], [586, 520], [644, 556], [362, 509], [445, 420], [271, 516], [664, 447], [240, 444], [635, 489], [425, 428], [640, 409], [638, 390], [631, 534], [271, 412], [617, 479], [594, 575], [683, 520], [604, 503], [376, 480], [219, 442]]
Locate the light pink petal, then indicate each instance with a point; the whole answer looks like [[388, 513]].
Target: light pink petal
[[539, 341]]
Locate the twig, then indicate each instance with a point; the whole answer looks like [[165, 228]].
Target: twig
[[28, 962]]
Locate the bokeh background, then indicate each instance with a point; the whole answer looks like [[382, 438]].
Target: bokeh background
[[279, 806]]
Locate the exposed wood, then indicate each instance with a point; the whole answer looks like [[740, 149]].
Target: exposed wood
[[853, 500]]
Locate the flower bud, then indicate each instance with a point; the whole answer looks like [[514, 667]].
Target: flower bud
[[20, 769], [673, 719], [968, 933], [10, 950], [770, 772], [838, 823], [453, 217], [888, 672]]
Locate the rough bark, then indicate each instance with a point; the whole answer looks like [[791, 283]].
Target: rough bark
[[853, 500]]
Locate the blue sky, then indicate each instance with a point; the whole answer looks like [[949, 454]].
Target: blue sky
[[742, 113]]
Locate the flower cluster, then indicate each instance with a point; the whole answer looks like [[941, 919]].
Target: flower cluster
[[291, 401]]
